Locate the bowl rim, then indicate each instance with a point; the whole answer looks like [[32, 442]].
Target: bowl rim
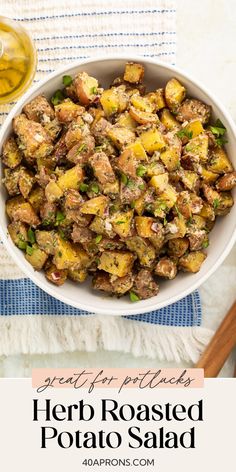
[[136, 309]]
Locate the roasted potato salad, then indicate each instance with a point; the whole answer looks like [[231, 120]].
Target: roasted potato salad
[[121, 184]]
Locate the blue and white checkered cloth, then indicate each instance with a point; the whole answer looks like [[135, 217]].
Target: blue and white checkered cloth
[[62, 35]]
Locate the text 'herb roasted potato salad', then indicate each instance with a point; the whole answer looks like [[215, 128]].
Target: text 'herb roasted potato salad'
[[119, 184]]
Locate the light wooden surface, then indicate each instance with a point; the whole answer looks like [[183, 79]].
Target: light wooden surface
[[220, 346]]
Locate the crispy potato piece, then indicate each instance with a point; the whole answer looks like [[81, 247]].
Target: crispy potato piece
[[176, 228], [102, 226], [152, 140], [20, 210], [177, 247], [36, 257], [77, 275], [208, 176], [11, 154], [73, 134], [171, 159], [53, 192], [26, 182], [18, 233], [120, 136], [157, 98], [184, 204], [121, 223], [111, 188], [132, 190], [95, 206], [174, 93], [144, 226], [143, 248], [219, 162], [207, 212], [39, 110], [225, 203], [56, 276], [110, 101], [190, 179], [144, 285], [212, 196], [127, 163], [126, 121], [138, 150], [86, 88], [166, 200], [159, 182], [166, 268], [68, 111], [198, 148], [34, 140], [36, 198], [143, 117], [116, 263], [70, 255], [192, 262], [193, 128], [168, 120], [142, 103], [102, 168], [11, 181], [227, 182], [193, 109], [133, 73], [46, 241], [80, 152], [71, 178], [197, 239]]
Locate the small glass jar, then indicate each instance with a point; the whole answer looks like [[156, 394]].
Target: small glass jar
[[18, 60]]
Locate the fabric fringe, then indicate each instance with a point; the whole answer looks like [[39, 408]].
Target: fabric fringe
[[52, 335]]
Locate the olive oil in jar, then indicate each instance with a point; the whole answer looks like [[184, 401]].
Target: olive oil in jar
[[17, 60]]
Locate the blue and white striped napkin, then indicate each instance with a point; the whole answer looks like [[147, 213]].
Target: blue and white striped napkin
[[63, 34]]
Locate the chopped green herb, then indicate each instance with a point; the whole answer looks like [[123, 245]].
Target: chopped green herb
[[95, 188], [184, 133], [31, 236], [133, 297], [83, 147], [165, 221], [141, 186], [94, 90], [219, 130], [119, 222], [132, 204], [57, 98], [130, 183], [99, 148], [46, 222], [98, 238], [22, 245], [62, 234], [177, 211], [59, 253], [221, 141], [216, 203], [189, 221], [124, 179], [67, 80], [162, 206], [205, 244], [59, 217], [141, 170], [83, 187], [29, 250]]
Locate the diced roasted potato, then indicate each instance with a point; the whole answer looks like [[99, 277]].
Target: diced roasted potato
[[102, 168], [138, 150], [227, 182], [68, 111], [53, 192], [71, 178], [36, 198], [152, 140], [212, 196], [116, 263], [192, 261], [120, 136], [176, 228], [165, 201], [142, 103], [177, 247], [11, 181], [26, 182], [219, 161], [207, 212], [197, 240], [168, 120], [127, 163], [73, 134], [143, 248], [144, 285], [154, 168], [133, 73], [190, 179], [95, 206], [208, 176], [86, 88], [174, 93], [111, 188], [144, 226], [46, 241], [18, 233], [35, 256], [171, 158], [70, 255], [126, 121], [157, 98], [198, 148], [166, 268], [159, 182], [121, 223], [102, 226], [20, 210], [11, 154], [56, 276], [193, 128], [34, 140], [39, 110], [77, 275], [193, 109], [110, 101], [143, 117], [225, 203]]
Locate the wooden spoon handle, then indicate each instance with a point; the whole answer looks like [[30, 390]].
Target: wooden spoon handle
[[220, 346]]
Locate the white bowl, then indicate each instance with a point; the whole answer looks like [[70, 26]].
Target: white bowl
[[221, 238]]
